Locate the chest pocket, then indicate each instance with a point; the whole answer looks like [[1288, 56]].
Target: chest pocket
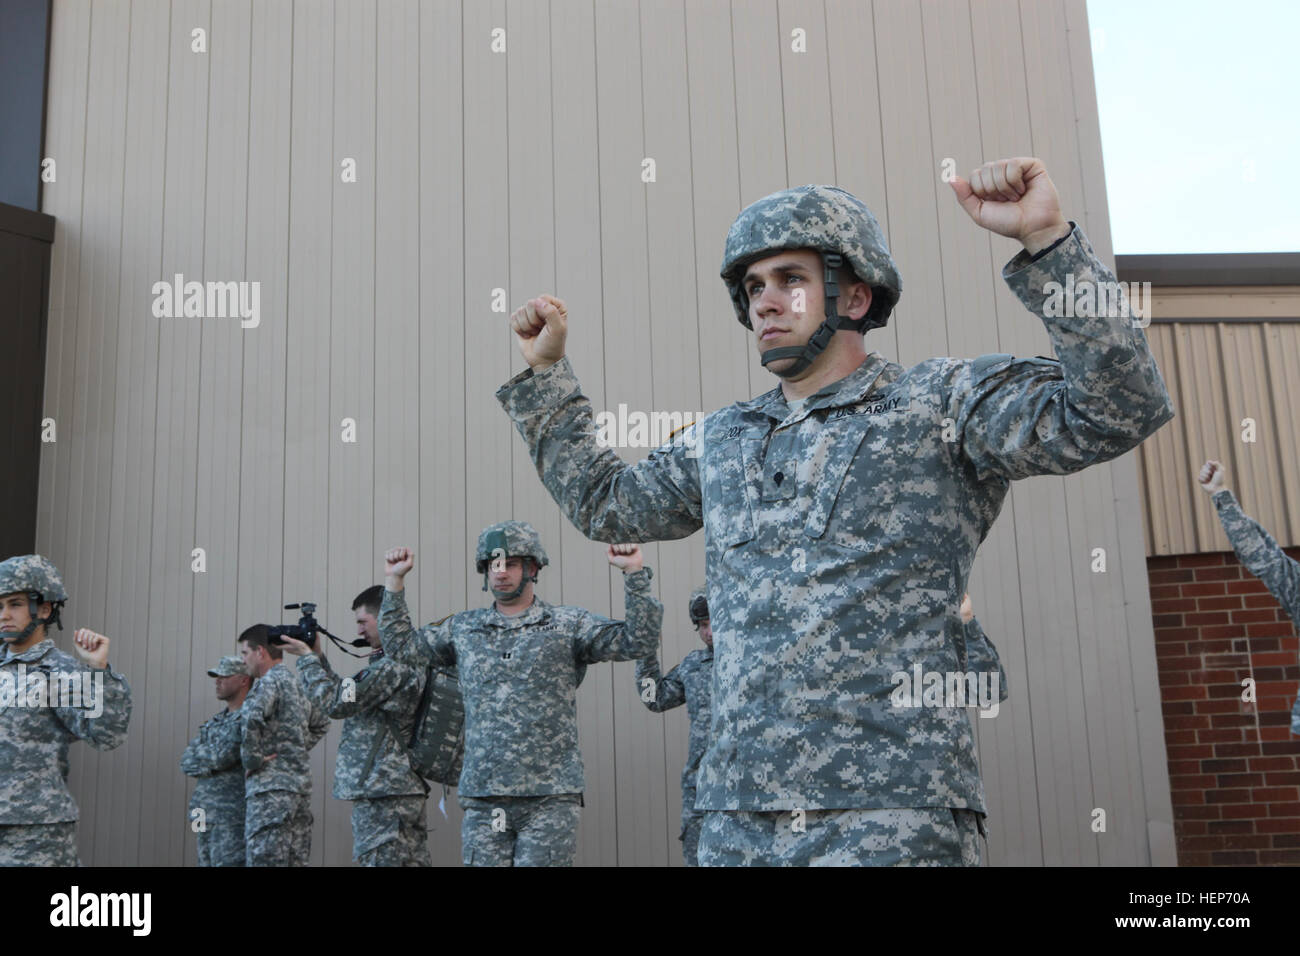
[[728, 518], [835, 450]]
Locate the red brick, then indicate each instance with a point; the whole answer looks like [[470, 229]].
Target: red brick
[[1269, 629], [1224, 721], [1177, 679], [1176, 634], [1163, 592], [1202, 781], [1161, 621], [1204, 618], [1198, 751], [1214, 843], [1271, 795], [1166, 650], [1286, 840], [1250, 585], [1184, 693], [1239, 811], [1170, 576], [1270, 763], [1219, 691], [1227, 780], [1282, 778], [1250, 749], [1278, 825], [1259, 600], [1284, 809], [1271, 749], [1230, 826], [1186, 722], [1258, 614], [1227, 602], [1219, 766], [1185, 798], [1221, 706], [1213, 661], [1276, 734], [1197, 812], [1226, 796], [1206, 559], [1216, 574], [1238, 857], [1275, 857], [1176, 606], [1279, 689], [1191, 828], [1230, 735], [1193, 859], [1214, 639]]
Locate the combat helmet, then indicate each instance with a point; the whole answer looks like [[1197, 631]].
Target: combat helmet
[[837, 225], [697, 606], [509, 539], [39, 579]]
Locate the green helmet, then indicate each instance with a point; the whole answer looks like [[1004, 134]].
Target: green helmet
[[39, 579], [836, 224], [698, 605], [509, 539]]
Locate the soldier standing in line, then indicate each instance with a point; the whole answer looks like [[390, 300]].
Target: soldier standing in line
[[217, 805], [520, 662], [689, 683], [281, 726], [52, 700], [843, 509], [1258, 551], [390, 825]]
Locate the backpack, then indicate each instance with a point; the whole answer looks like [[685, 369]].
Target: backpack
[[437, 745]]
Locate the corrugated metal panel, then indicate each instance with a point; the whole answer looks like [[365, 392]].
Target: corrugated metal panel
[[1221, 375], [479, 171]]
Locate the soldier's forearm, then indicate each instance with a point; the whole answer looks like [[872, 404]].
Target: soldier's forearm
[[644, 615], [1260, 553]]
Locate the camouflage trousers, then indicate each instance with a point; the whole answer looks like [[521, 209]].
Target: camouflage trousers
[[520, 831], [391, 831], [277, 828], [919, 836], [39, 844], [221, 843]]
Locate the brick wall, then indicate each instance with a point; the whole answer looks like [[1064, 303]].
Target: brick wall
[[1234, 768]]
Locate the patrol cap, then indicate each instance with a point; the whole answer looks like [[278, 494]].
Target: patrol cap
[[512, 539], [228, 666], [827, 219]]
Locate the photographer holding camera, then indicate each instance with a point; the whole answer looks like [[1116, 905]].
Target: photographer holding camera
[[281, 726], [373, 767]]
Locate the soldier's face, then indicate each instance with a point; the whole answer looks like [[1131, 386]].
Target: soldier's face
[[706, 632], [785, 300], [504, 576], [16, 614], [228, 687], [367, 626], [252, 658]]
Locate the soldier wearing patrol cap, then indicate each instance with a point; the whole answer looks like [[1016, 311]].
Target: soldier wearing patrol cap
[[520, 662], [217, 805], [47, 700], [689, 683], [842, 511]]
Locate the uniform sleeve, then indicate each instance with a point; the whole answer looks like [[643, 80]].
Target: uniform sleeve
[[403, 643], [256, 711], [669, 691], [1099, 398], [340, 697], [656, 499], [1260, 553], [602, 639], [216, 748], [318, 724], [106, 729]]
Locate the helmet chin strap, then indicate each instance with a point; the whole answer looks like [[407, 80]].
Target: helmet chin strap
[[34, 609], [805, 354], [524, 581]]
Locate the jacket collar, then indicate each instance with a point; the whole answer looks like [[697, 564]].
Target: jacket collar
[[537, 612], [31, 655], [852, 388]]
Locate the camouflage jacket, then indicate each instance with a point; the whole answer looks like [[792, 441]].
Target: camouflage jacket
[[377, 707], [35, 731], [839, 537], [689, 683], [279, 719], [978, 654], [1265, 559], [213, 757], [519, 677]]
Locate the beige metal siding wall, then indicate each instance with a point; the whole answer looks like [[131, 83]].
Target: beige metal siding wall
[[1220, 374], [479, 170]]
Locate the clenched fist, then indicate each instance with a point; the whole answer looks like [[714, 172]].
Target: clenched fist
[[397, 563], [625, 557], [1014, 198], [540, 327], [1211, 476], [91, 648]]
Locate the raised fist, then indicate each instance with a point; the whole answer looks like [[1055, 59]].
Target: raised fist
[[540, 326], [398, 561], [1014, 198], [91, 648], [1211, 476], [625, 557]]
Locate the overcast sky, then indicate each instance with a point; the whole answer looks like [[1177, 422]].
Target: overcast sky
[[1200, 123]]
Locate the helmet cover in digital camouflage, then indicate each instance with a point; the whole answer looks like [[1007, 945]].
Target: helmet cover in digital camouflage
[[38, 578]]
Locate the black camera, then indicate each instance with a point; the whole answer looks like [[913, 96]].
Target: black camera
[[305, 630]]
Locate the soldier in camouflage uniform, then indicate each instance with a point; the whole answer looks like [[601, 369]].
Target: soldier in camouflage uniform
[[390, 824], [842, 511], [689, 683], [1258, 551], [281, 726], [48, 699], [217, 805], [520, 662], [976, 651]]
